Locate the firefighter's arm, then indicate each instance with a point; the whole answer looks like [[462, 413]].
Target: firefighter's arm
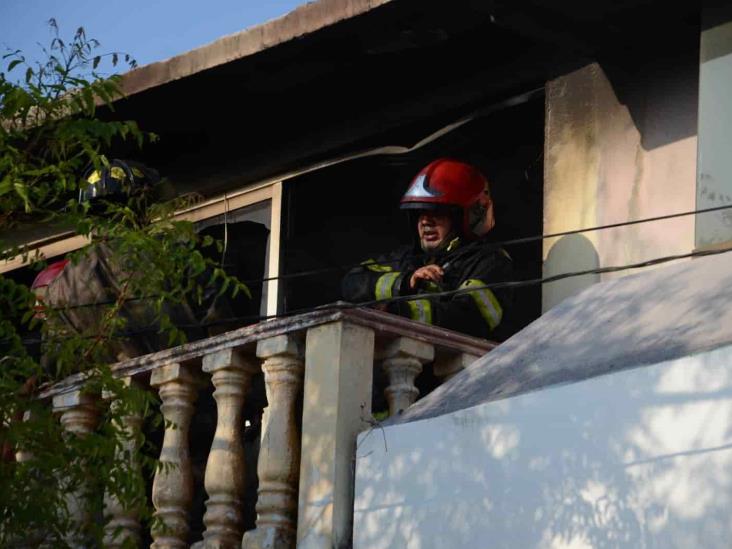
[[478, 312], [475, 309], [373, 280]]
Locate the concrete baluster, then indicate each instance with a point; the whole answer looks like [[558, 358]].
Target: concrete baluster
[[22, 454], [402, 360], [172, 492], [79, 416], [231, 375], [447, 366], [279, 454], [124, 528]]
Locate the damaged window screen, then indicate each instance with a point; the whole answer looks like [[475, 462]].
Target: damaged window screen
[[245, 235]]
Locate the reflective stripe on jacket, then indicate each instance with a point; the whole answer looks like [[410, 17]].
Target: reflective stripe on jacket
[[479, 311]]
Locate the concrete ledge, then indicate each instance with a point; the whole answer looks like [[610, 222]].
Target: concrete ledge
[[299, 22], [383, 324]]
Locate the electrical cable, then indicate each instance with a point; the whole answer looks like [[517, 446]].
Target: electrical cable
[[516, 241], [527, 239], [491, 286], [449, 293], [511, 242]]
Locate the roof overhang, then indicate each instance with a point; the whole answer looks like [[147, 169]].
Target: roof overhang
[[300, 22], [337, 76]]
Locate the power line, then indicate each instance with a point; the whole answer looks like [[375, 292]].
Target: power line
[[522, 240], [511, 242], [527, 239], [435, 295], [493, 286]]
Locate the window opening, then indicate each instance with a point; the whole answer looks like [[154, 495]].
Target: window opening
[[347, 213]]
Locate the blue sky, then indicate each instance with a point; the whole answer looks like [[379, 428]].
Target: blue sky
[[149, 30]]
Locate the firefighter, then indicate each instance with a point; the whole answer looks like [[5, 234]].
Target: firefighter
[[116, 181], [96, 277], [450, 206], [119, 180]]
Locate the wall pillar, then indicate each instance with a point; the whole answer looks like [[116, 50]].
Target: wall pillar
[[337, 406], [714, 177]]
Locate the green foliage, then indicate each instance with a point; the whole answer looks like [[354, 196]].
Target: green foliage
[[49, 135]]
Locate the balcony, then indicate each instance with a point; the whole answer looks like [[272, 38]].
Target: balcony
[[311, 379]]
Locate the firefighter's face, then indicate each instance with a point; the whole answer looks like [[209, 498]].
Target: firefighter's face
[[433, 229]]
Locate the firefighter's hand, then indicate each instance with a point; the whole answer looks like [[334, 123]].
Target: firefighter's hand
[[428, 272]]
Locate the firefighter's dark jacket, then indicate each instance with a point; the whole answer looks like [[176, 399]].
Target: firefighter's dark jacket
[[479, 312]]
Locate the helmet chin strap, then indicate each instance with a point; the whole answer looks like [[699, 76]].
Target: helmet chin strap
[[444, 245]]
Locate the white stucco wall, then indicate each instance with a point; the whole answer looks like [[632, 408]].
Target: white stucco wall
[[639, 459], [618, 148]]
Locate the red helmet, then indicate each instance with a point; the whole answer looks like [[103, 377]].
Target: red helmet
[[49, 274], [448, 183], [41, 283]]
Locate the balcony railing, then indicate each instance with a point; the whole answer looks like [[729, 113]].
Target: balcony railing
[[318, 374]]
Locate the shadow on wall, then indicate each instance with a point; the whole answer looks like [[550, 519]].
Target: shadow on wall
[[579, 252], [639, 319], [660, 87], [642, 458]]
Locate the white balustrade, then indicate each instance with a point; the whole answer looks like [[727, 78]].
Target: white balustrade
[[306, 464]]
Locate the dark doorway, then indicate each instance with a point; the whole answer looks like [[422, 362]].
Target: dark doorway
[[339, 216]]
